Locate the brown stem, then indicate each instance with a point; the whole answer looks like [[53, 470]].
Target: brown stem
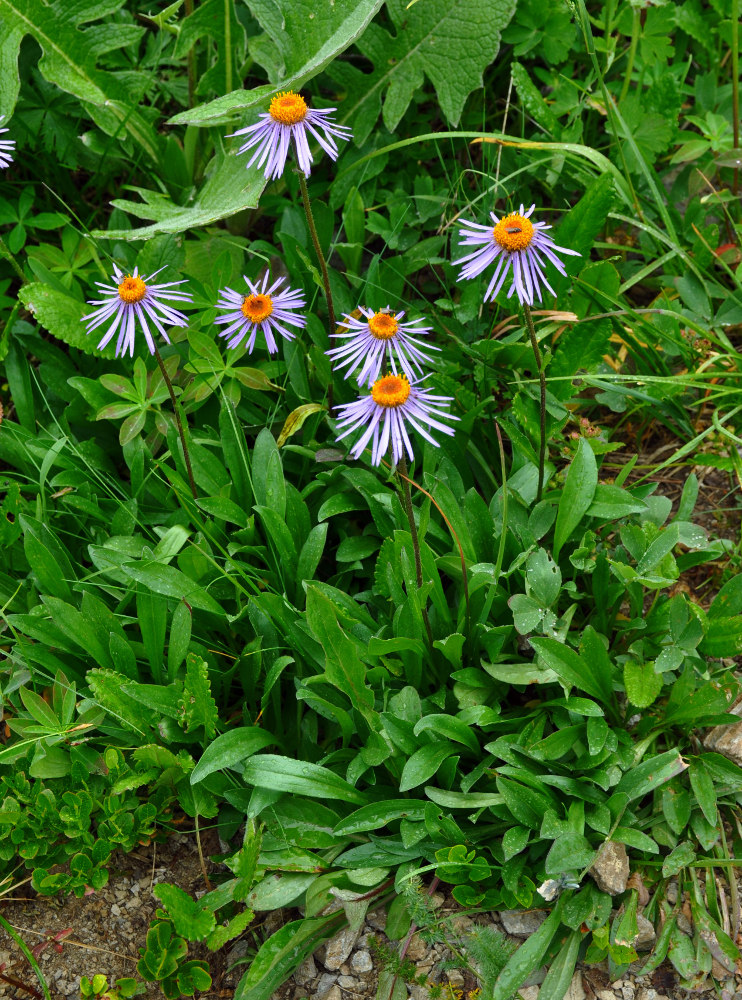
[[317, 249], [178, 421], [407, 502], [542, 382]]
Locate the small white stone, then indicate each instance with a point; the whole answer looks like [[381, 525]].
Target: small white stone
[[361, 961], [576, 990], [334, 993], [324, 984], [529, 993], [417, 949]]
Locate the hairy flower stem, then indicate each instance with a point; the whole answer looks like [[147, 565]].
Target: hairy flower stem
[[542, 383], [322, 264], [403, 477], [5, 252], [178, 421]]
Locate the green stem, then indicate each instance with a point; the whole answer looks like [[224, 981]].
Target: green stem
[[28, 954], [189, 8], [735, 83], [178, 421], [322, 264], [404, 479], [542, 383], [5, 252], [635, 25]]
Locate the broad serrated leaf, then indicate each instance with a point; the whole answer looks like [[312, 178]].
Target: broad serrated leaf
[[451, 42], [62, 315], [106, 686], [641, 682], [220, 935], [198, 708], [308, 36], [189, 918]]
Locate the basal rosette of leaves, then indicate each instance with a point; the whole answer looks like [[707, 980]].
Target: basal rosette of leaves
[[263, 651]]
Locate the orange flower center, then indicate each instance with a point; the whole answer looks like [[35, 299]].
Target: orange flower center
[[383, 325], [288, 108], [391, 390], [256, 308], [514, 232], [132, 289]]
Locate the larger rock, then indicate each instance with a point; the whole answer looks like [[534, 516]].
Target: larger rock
[[727, 740], [611, 868], [339, 947], [522, 923]]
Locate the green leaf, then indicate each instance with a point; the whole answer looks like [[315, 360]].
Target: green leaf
[[680, 858], [379, 814], [703, 786], [282, 953], [543, 576], [283, 774], [170, 582], [423, 764], [229, 749], [568, 852], [572, 669], [561, 969], [451, 42], [577, 495], [198, 708], [218, 21], [62, 315], [450, 728], [229, 188], [650, 774], [344, 668], [267, 471], [308, 36], [532, 102], [641, 682], [528, 957], [189, 918], [611, 502], [70, 52]]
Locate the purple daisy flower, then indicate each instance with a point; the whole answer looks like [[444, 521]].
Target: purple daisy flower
[[384, 413], [375, 336], [265, 309], [514, 242], [6, 148], [289, 117], [133, 298]]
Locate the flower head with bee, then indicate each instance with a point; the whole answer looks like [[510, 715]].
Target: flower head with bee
[[517, 246]]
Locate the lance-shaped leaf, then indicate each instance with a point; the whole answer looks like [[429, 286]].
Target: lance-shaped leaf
[[230, 188]]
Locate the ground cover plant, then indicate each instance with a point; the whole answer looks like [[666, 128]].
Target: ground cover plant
[[334, 340]]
